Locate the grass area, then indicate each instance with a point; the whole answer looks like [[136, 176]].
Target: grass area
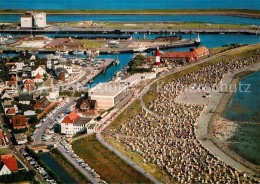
[[91, 44], [69, 167], [106, 163], [156, 11], [130, 111], [162, 25], [152, 169], [5, 151]]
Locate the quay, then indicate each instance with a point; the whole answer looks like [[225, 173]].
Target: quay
[[124, 32], [150, 45]]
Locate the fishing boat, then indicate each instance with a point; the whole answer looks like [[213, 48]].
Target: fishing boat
[[62, 52], [140, 48], [198, 40], [78, 52]]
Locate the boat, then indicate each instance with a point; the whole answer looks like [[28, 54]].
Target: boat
[[62, 52], [116, 61], [141, 48], [78, 52], [198, 40]]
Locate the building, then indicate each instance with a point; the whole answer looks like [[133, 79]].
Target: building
[[37, 70], [179, 56], [26, 21], [89, 108], [33, 20], [108, 95], [39, 20], [73, 124], [201, 51], [8, 164], [38, 78], [54, 94], [20, 138], [189, 56], [19, 122]]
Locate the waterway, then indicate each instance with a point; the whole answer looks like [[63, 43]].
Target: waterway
[[57, 168], [245, 106], [127, 4], [208, 40], [142, 18]]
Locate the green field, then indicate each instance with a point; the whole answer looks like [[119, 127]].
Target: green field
[[106, 163]]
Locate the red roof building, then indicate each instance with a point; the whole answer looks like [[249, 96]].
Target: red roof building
[[19, 121], [10, 161], [11, 111], [71, 118], [38, 76], [201, 51], [175, 56], [37, 105]]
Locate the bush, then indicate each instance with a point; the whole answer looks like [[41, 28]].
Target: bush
[[18, 176]]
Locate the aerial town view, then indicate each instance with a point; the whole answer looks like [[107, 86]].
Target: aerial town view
[[120, 91]]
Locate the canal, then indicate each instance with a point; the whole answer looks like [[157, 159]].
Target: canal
[[57, 168]]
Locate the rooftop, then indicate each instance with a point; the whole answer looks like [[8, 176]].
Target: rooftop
[[107, 89]]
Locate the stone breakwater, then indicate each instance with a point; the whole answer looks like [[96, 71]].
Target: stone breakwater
[[171, 142]]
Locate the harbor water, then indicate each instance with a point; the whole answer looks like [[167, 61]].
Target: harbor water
[[221, 19]]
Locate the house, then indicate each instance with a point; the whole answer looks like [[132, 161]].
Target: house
[[58, 42], [38, 78], [37, 70], [8, 164], [201, 51], [28, 85], [42, 103], [73, 124], [179, 55], [89, 108], [29, 113], [5, 96], [11, 111], [62, 74], [25, 98], [20, 138], [19, 122]]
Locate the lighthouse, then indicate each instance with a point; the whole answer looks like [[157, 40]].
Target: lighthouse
[[157, 57]]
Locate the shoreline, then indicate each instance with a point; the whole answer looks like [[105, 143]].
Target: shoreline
[[246, 13], [219, 115]]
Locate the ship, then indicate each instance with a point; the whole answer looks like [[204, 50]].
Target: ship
[[198, 40], [78, 52], [60, 52], [141, 48]]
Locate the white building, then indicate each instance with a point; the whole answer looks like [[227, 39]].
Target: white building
[[4, 170], [108, 95], [38, 70], [39, 20], [26, 21], [33, 20], [54, 94], [73, 124]]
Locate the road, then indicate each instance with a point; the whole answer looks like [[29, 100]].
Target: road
[[99, 137], [72, 160], [39, 133]]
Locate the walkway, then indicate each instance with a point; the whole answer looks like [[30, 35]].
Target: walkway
[[72, 160]]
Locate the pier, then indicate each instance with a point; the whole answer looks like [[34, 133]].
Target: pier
[[121, 32]]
